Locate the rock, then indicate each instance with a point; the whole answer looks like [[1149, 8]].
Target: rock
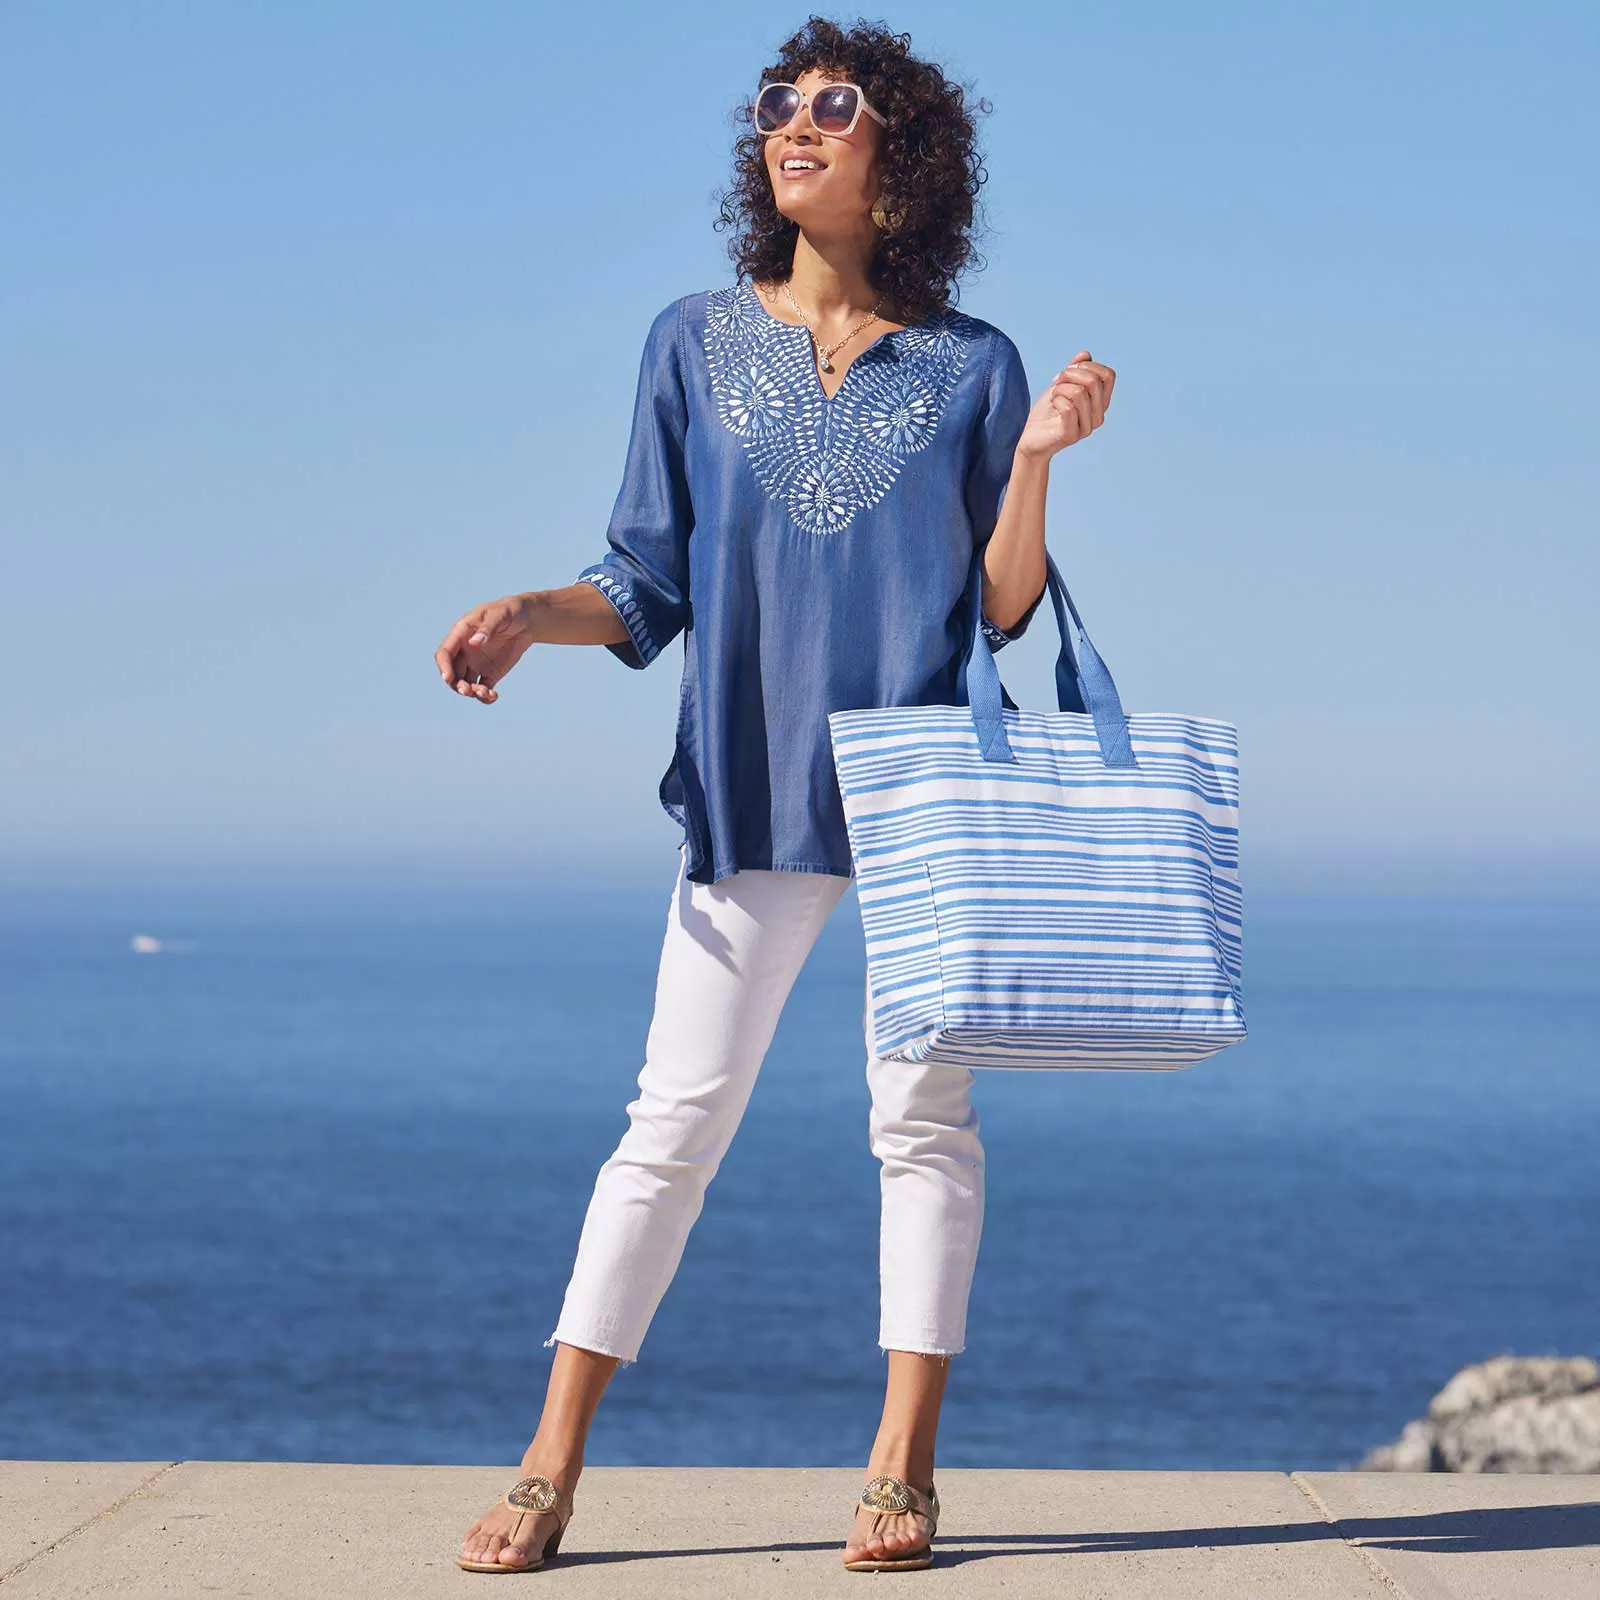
[[1413, 1451], [1507, 1414]]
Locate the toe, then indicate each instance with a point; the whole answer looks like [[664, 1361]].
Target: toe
[[904, 1533], [891, 1534], [519, 1555], [858, 1546], [530, 1533]]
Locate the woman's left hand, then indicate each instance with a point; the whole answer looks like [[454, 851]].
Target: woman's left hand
[[1070, 409]]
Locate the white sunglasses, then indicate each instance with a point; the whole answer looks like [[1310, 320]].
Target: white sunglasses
[[835, 108]]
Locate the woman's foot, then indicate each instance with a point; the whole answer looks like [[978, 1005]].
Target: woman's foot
[[903, 1449], [488, 1539], [883, 1535]]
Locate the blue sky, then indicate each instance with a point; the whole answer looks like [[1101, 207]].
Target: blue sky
[[320, 322]]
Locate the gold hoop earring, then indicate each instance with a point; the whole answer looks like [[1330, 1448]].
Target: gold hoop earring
[[885, 218]]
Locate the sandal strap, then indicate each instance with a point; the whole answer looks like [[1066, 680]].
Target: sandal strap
[[888, 1493]]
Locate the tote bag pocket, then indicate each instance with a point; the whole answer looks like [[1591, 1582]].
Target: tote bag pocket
[[1045, 890]]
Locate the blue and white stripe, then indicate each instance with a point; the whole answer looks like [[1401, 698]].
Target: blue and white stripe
[[1049, 911]]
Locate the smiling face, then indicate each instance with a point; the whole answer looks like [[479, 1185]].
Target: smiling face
[[824, 182]]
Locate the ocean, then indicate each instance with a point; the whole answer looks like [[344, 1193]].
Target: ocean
[[305, 1185]]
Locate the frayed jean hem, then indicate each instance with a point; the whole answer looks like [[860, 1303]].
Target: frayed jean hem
[[594, 1348]]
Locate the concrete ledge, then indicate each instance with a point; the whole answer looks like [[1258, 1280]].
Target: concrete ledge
[[180, 1529]]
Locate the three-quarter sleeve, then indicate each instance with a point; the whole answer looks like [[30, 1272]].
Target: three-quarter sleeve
[[645, 573], [1001, 416]]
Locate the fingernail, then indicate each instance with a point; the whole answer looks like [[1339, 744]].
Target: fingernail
[[478, 638]]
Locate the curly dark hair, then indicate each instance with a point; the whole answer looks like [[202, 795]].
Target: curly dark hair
[[931, 167]]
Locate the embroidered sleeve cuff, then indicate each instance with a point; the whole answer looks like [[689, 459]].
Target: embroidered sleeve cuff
[[999, 637], [640, 648]]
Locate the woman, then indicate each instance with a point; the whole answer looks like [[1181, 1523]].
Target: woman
[[819, 452]]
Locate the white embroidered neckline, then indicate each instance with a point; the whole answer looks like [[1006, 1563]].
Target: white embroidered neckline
[[828, 457]]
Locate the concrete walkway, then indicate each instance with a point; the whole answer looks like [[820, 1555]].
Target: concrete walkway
[[74, 1530]]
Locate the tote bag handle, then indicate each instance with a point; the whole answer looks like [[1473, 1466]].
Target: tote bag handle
[[1085, 687]]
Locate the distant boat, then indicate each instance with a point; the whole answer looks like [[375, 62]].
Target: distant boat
[[145, 944]]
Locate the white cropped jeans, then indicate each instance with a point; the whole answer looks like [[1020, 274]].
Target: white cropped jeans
[[730, 957]]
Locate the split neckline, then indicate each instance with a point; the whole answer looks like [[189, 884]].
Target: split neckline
[[801, 328], [828, 457]]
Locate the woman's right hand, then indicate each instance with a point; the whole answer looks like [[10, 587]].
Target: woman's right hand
[[485, 645]]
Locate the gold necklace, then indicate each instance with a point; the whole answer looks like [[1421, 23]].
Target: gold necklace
[[823, 353]]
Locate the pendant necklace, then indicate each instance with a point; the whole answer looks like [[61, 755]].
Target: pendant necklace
[[824, 352]]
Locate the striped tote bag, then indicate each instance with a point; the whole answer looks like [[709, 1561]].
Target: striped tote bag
[[1045, 890]]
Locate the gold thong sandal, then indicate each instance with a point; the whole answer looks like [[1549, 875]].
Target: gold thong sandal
[[887, 1494], [528, 1497]]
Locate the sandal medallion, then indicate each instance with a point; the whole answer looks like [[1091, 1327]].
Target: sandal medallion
[[886, 1494], [536, 1493]]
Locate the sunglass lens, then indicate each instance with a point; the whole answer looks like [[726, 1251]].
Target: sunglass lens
[[775, 106], [833, 109]]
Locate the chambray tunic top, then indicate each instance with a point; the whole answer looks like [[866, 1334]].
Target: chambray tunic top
[[814, 552]]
